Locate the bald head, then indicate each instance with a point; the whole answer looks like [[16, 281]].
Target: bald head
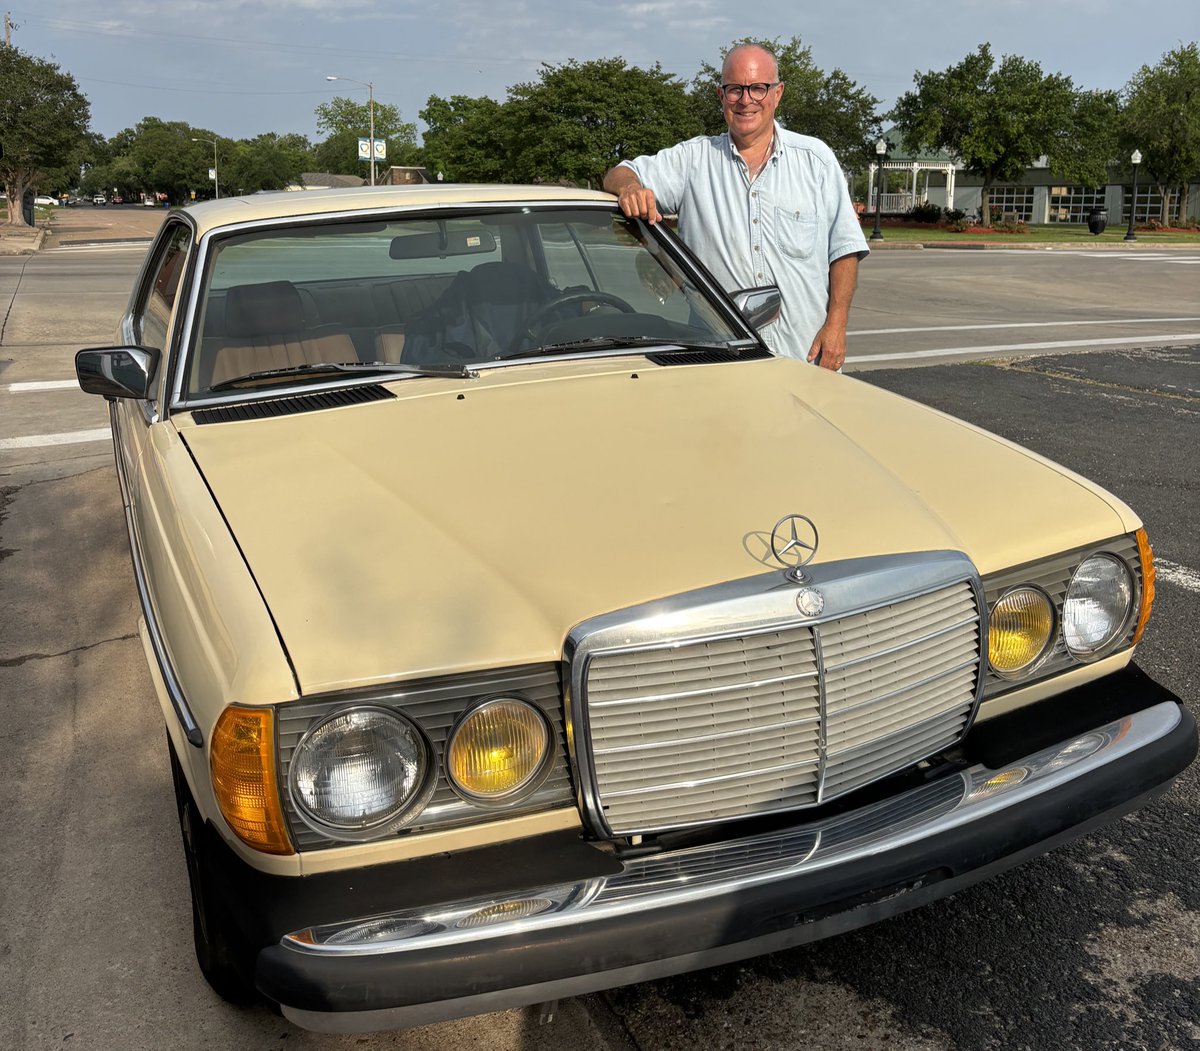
[[763, 60]]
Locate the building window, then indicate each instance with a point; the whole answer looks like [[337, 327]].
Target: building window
[[1015, 201], [1073, 204], [1149, 205]]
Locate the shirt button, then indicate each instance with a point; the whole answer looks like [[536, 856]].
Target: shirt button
[[754, 220], [756, 248]]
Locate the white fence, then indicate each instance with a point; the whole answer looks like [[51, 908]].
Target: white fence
[[893, 203]]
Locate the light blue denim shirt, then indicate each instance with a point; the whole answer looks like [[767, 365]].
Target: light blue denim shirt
[[783, 229]]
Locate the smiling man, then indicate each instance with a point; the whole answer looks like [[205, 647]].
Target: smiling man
[[760, 205]]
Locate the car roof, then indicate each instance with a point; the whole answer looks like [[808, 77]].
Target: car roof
[[209, 215]]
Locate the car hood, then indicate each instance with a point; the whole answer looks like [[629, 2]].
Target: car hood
[[471, 524]]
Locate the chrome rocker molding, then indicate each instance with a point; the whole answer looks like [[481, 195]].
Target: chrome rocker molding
[[694, 874]]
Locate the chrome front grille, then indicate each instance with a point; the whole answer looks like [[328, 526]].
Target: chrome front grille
[[686, 730], [721, 727], [899, 685]]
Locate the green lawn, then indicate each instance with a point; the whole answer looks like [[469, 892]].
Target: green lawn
[[1114, 235]]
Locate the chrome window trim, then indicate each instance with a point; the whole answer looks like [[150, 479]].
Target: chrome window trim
[[198, 261], [183, 713], [648, 883], [752, 606]]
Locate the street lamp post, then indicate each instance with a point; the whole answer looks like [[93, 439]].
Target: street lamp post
[[880, 152], [216, 181], [1136, 158], [370, 116]]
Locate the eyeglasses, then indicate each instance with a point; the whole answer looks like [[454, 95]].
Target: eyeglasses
[[757, 92]]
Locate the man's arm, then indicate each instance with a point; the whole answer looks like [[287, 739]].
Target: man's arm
[[829, 345], [636, 201]]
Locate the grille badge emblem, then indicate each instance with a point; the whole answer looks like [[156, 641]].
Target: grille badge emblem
[[794, 542], [810, 602]]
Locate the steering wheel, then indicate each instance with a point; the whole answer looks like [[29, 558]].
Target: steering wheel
[[547, 310]]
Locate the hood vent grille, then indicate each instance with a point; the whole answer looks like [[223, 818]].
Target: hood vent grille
[[707, 357], [261, 410]]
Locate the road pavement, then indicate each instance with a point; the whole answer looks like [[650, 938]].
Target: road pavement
[[1094, 946]]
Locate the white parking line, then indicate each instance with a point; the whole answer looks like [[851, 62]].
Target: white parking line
[[1174, 573], [1019, 348], [39, 385], [41, 441], [1021, 324], [104, 246]]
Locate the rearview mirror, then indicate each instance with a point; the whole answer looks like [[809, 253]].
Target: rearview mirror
[[441, 243]]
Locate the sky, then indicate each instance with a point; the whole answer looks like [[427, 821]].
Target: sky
[[242, 67]]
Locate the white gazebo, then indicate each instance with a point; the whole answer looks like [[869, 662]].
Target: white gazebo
[[917, 193]]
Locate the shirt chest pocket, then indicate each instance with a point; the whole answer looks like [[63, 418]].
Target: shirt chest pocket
[[797, 232]]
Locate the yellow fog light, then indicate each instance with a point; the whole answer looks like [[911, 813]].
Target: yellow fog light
[[499, 751], [242, 760], [1020, 630]]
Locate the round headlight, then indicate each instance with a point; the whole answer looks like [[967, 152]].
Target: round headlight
[[361, 773], [498, 751], [1098, 603], [1020, 630]]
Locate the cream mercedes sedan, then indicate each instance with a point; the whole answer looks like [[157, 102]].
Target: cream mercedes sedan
[[523, 627]]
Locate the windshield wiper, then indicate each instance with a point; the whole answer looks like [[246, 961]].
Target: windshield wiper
[[663, 343], [370, 368]]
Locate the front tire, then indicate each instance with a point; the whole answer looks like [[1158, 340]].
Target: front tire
[[225, 957]]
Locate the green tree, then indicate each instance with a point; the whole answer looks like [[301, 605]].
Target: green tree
[[829, 106], [343, 122], [158, 156], [581, 118], [43, 123], [1161, 118], [465, 139], [996, 120], [266, 162]]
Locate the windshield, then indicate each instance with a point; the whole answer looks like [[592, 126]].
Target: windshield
[[422, 292]]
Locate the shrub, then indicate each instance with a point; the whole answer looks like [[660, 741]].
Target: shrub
[[925, 213], [1010, 226], [959, 225]]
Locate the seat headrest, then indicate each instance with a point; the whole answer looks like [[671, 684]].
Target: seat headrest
[[268, 309], [505, 283]]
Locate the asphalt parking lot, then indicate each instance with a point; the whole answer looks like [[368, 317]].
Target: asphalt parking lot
[[1094, 946]]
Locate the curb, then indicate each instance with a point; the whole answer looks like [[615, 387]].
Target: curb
[[22, 243]]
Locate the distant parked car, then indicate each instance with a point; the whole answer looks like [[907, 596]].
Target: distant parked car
[[99, 199], [118, 200], [46, 201]]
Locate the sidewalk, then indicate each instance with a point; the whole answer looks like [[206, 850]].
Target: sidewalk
[[21, 240]]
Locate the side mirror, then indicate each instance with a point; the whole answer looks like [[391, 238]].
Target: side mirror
[[759, 306], [117, 372]]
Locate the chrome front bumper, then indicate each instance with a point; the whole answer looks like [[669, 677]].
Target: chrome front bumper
[[677, 910]]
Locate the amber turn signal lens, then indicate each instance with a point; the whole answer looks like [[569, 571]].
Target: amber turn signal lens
[[242, 760], [1146, 554], [1019, 630]]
